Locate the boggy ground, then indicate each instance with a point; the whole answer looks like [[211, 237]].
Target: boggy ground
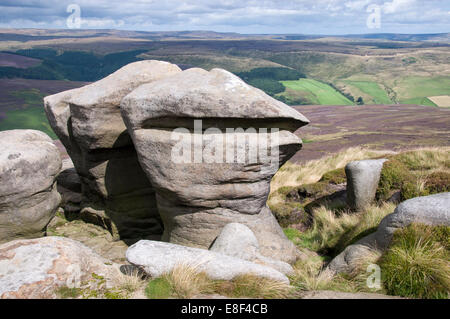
[[379, 127]]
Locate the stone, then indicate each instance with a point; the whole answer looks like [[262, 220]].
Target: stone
[[29, 164], [159, 258], [35, 268], [87, 120], [362, 182], [204, 175], [69, 186], [430, 210], [237, 240]]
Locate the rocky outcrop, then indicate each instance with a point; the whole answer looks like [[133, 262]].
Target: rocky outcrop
[[204, 178], [362, 182], [158, 258], [237, 240], [29, 164], [34, 268], [88, 122], [430, 210]]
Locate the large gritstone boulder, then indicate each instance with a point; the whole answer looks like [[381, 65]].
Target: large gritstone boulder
[[29, 164], [210, 145], [116, 192]]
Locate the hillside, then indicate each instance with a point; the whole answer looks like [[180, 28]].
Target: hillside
[[303, 69]]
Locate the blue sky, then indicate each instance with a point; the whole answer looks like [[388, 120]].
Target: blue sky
[[253, 16]]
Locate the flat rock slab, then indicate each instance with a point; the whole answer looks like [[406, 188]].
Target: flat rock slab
[[34, 268], [158, 258]]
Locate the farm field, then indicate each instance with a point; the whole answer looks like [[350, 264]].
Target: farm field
[[316, 92], [377, 94]]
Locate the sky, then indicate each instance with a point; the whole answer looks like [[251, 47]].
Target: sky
[[249, 17]]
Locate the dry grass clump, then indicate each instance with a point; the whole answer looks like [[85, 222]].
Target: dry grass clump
[[331, 232], [310, 275], [187, 281]]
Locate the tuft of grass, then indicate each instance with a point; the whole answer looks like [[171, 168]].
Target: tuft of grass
[[65, 292], [250, 286], [336, 176], [159, 288], [331, 232], [417, 262], [415, 173]]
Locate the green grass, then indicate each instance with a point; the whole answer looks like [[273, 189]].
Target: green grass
[[417, 263], [159, 288], [416, 88], [379, 96], [317, 92], [30, 115], [419, 101], [29, 118]]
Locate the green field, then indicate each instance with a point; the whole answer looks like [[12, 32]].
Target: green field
[[419, 101], [413, 89], [30, 115], [378, 95], [315, 92], [30, 118]]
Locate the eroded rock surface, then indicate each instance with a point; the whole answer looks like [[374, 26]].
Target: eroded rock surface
[[29, 164], [205, 179], [87, 120], [34, 268], [237, 240]]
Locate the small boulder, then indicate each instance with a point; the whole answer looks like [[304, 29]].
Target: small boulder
[[430, 210], [34, 268], [29, 164], [237, 240], [158, 258], [362, 182]]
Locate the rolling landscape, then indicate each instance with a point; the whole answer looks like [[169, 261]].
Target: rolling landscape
[[101, 207], [300, 70]]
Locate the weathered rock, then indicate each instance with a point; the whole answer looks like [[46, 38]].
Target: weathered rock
[[34, 268], [29, 164], [158, 258], [362, 182], [430, 210], [237, 240], [69, 186], [88, 122], [205, 181]]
